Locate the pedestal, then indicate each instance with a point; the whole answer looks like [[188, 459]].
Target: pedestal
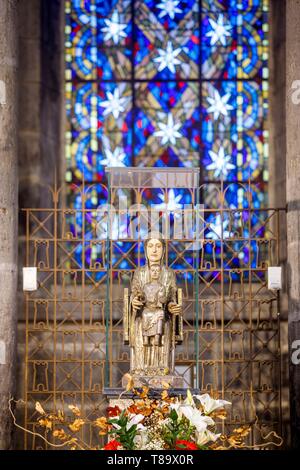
[[155, 381], [117, 396]]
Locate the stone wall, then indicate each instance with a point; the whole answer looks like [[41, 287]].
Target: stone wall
[[41, 127], [41, 98], [8, 211], [277, 173], [293, 202]]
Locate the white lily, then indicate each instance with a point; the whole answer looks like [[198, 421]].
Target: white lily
[[206, 436], [190, 411], [136, 419], [177, 407], [196, 418], [209, 404]]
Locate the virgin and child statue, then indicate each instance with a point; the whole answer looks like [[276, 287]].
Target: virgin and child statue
[[153, 319]]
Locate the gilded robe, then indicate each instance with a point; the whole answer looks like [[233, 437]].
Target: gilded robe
[[162, 361]]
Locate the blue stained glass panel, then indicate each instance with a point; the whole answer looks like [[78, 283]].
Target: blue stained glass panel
[[168, 83]]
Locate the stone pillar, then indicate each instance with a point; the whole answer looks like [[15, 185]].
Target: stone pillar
[[8, 211], [29, 128], [277, 180], [41, 130], [41, 126], [276, 116], [293, 204]]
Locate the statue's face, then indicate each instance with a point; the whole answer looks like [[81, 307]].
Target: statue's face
[[154, 250], [155, 271]]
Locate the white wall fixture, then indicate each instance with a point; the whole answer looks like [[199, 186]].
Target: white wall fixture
[[274, 277], [2, 353], [30, 279], [2, 93]]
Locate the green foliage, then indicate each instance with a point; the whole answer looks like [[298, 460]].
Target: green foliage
[[177, 430], [123, 435]]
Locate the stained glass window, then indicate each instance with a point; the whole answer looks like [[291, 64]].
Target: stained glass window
[[167, 83]]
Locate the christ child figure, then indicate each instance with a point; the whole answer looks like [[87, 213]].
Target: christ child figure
[[154, 297]]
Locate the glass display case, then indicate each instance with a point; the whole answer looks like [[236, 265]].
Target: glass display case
[[142, 202]]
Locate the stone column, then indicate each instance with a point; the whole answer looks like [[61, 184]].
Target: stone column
[[276, 116], [277, 180], [41, 111], [293, 205], [8, 211]]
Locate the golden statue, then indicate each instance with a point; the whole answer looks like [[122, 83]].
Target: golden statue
[[153, 320]]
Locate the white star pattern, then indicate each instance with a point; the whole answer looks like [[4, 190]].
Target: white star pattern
[[114, 29], [215, 227], [173, 203], [219, 104], [115, 158], [168, 132], [114, 104], [220, 162], [169, 7], [167, 58], [219, 31]]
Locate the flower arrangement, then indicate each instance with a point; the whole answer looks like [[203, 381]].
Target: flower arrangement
[[164, 423]]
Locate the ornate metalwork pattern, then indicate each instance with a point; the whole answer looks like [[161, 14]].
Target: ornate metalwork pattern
[[74, 331]]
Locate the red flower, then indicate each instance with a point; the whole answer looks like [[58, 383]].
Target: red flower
[[112, 445], [185, 445], [113, 411]]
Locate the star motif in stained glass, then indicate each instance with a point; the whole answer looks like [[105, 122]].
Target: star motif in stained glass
[[168, 58], [115, 158], [168, 132], [114, 104], [173, 203], [219, 31], [217, 227], [219, 104], [114, 29], [169, 7], [220, 162]]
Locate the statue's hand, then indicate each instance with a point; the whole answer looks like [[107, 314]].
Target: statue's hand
[[174, 308], [136, 303]]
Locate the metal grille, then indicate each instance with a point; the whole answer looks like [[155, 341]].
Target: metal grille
[[74, 344]]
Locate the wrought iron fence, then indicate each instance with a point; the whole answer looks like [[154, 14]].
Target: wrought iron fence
[[74, 343]]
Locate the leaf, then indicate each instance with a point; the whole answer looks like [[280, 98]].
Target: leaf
[[130, 382], [60, 434], [46, 423], [75, 410], [76, 425], [144, 392], [39, 408], [102, 423], [61, 416], [112, 420], [242, 431]]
